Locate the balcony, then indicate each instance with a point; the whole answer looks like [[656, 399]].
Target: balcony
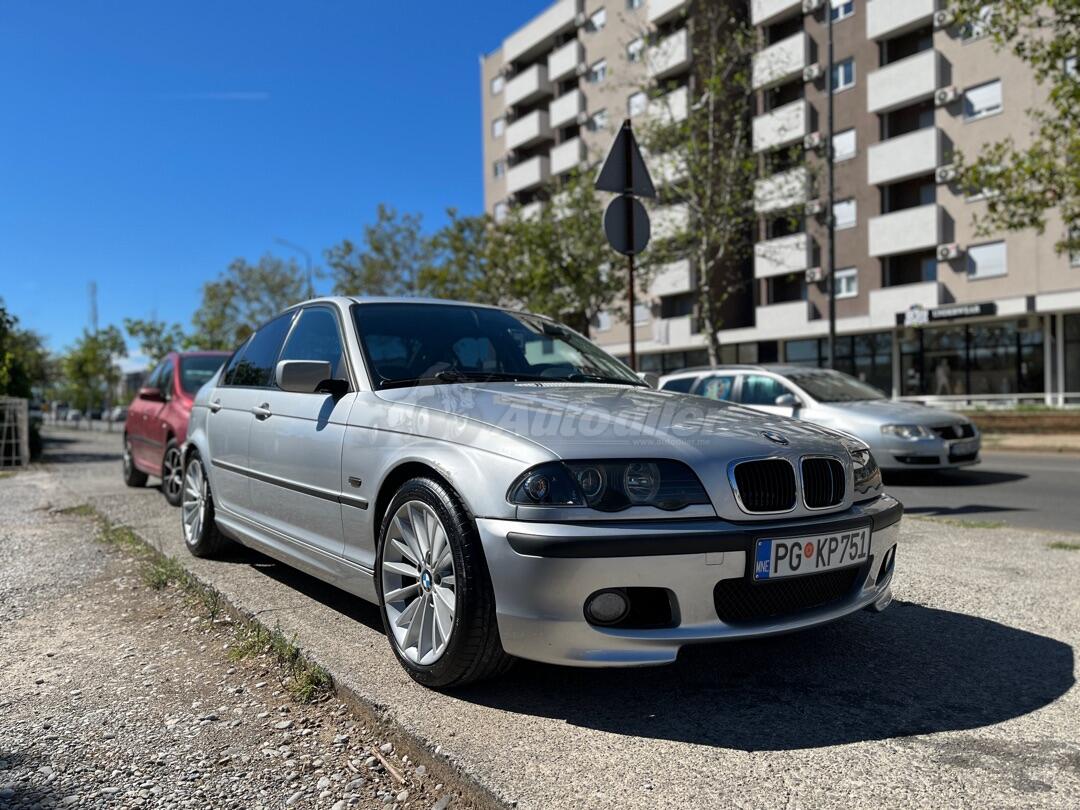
[[766, 11], [567, 156], [672, 279], [911, 155], [564, 110], [532, 210], [536, 35], [778, 257], [782, 320], [905, 231], [781, 191], [661, 10], [887, 302], [529, 174], [564, 62], [780, 62], [669, 220], [889, 18], [781, 127], [670, 55], [528, 85], [668, 109], [526, 131], [904, 82], [678, 331]]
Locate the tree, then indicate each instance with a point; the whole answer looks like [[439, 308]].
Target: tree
[[24, 361], [242, 298], [463, 262], [389, 260], [155, 338], [707, 152], [89, 368], [1023, 183]]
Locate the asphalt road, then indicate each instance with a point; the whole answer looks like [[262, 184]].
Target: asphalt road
[[961, 693], [1032, 491]]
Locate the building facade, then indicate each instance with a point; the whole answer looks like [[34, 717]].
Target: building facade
[[925, 306]]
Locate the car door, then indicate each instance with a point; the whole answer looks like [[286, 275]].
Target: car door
[[241, 388], [138, 414], [154, 425], [296, 441], [720, 387], [759, 391]]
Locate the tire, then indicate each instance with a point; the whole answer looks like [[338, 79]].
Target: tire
[[133, 476], [172, 473], [421, 590], [201, 534]]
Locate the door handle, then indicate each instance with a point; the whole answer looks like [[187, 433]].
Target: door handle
[[262, 411], [215, 405]]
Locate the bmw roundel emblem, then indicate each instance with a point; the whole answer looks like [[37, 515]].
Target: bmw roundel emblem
[[775, 438]]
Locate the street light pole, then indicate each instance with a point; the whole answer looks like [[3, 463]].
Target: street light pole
[[307, 262], [829, 219]]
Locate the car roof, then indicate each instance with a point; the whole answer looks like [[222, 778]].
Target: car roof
[[782, 369]]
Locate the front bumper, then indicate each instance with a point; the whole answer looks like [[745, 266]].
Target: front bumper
[[542, 574], [926, 454]]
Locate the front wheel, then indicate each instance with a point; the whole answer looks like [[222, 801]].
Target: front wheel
[[201, 534], [133, 476], [438, 607], [172, 473]]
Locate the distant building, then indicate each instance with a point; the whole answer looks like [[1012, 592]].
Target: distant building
[[129, 386]]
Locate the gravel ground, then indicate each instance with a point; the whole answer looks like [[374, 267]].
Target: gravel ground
[[116, 695], [960, 694]]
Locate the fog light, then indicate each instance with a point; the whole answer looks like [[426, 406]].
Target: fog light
[[607, 607]]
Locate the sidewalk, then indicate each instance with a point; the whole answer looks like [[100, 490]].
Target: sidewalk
[[1032, 442]]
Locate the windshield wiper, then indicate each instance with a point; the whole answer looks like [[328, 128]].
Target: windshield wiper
[[580, 376], [451, 375]]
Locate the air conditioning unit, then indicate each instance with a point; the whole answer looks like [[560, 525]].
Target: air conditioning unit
[[812, 72], [810, 6], [581, 69], [813, 208], [943, 18], [582, 118], [948, 252], [814, 275], [945, 174], [946, 95], [812, 141], [580, 19]]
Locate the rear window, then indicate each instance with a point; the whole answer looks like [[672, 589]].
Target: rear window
[[679, 386], [197, 371]]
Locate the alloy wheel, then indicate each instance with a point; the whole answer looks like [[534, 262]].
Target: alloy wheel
[[172, 473], [418, 583], [193, 506], [127, 457]]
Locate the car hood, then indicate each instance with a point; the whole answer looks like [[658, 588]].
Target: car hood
[[888, 411], [580, 420]]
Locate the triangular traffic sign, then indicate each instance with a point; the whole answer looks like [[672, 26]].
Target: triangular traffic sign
[[624, 171]]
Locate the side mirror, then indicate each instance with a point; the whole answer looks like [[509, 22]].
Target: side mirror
[[649, 378], [304, 376], [789, 401], [151, 394]]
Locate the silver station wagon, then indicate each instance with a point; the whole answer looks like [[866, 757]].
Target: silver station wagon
[[502, 488]]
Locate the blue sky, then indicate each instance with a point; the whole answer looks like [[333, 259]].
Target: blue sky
[[144, 145]]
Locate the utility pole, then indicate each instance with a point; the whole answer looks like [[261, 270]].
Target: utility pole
[[829, 219], [307, 261], [91, 290]]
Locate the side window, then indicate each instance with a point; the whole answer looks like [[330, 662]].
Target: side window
[[165, 379], [757, 390], [230, 370], [716, 386], [153, 377], [681, 385], [255, 367], [316, 337]]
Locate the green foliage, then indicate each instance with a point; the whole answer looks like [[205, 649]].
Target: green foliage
[[1061, 545], [1025, 182], [389, 260], [24, 362], [89, 367], [463, 262], [242, 298], [155, 338]]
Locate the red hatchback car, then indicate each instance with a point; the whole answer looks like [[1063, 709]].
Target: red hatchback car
[[157, 419]]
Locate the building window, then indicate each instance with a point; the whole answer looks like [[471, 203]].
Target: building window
[[602, 322], [842, 9], [844, 214], [597, 21], [982, 100], [1074, 255], [498, 168], [641, 314], [843, 75], [633, 5], [847, 282], [636, 104], [635, 50], [497, 85], [843, 145], [498, 127], [598, 71], [501, 211], [598, 121], [986, 261]]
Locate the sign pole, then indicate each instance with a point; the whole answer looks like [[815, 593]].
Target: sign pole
[[630, 258]]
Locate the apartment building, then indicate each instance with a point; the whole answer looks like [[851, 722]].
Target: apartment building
[[925, 307]]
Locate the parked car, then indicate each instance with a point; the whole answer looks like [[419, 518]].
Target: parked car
[[502, 488], [156, 422], [901, 435], [118, 413]]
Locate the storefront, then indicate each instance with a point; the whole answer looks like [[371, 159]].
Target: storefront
[[867, 357]]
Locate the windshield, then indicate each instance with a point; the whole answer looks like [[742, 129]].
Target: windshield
[[195, 371], [833, 386], [430, 344]]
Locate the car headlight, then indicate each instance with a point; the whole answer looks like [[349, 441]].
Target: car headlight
[[910, 432], [609, 486], [866, 473]]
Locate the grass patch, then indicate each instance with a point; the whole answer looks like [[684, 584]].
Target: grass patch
[[306, 681], [6, 474], [82, 510], [964, 524], [1061, 545]]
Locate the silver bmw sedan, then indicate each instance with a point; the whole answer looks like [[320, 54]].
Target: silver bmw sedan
[[503, 489]]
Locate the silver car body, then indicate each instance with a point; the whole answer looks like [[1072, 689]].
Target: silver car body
[[952, 441], [305, 479]]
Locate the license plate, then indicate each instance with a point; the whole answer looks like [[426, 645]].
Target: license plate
[[780, 557], [964, 448]]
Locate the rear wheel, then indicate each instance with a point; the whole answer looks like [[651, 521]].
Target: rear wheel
[[172, 473], [201, 534], [133, 476], [438, 607]]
